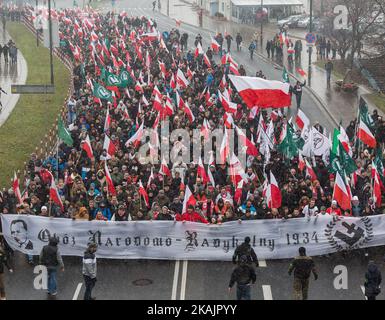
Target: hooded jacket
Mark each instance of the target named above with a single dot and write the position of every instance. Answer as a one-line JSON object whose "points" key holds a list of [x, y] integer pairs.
{"points": [[372, 280]]}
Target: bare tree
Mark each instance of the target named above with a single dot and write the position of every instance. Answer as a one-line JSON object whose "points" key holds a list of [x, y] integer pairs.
{"points": [[364, 23]]}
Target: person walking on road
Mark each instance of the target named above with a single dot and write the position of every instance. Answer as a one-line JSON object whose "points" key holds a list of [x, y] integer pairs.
{"points": [[4, 262], [238, 40], [297, 90], [252, 47], [372, 281], [302, 266], [5, 53], [244, 275], [329, 68], [153, 5], [1, 105], [246, 250], [51, 258], [89, 270], [229, 38], [268, 48]]}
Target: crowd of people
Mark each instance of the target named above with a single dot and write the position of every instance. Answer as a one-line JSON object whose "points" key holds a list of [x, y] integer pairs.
{"points": [[110, 43]]}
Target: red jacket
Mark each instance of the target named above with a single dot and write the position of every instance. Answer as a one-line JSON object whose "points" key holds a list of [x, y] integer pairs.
{"points": [[193, 217], [330, 210]]}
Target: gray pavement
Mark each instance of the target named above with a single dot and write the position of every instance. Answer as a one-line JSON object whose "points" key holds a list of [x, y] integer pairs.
{"points": [[10, 74], [191, 280], [201, 280]]}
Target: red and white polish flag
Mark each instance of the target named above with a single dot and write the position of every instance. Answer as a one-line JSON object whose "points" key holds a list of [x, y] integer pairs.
{"points": [[228, 120], [229, 106], [201, 172], [365, 135], [251, 149], [164, 170], [188, 199], [224, 150], [181, 79], [86, 145], [189, 113], [16, 189], [137, 137], [54, 194], [205, 129], [301, 162], [109, 146], [341, 194], [214, 45], [142, 191], [302, 120], [376, 191], [274, 193], [110, 183], [310, 172], [262, 93]]}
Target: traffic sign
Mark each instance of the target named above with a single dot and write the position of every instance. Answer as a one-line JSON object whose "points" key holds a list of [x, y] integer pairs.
{"points": [[310, 37]]}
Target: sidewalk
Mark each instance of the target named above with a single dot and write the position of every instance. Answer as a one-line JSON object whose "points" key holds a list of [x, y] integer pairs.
{"points": [[9, 74], [339, 105]]}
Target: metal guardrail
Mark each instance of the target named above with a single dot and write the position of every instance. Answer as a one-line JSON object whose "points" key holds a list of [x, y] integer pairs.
{"points": [[367, 75], [49, 142]]}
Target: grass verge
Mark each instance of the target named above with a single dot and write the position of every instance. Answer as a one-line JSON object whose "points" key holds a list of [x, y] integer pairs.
{"points": [[33, 115], [378, 99], [336, 72]]}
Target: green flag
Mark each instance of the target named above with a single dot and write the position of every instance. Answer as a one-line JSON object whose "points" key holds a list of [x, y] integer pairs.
{"points": [[125, 79], [339, 158], [288, 146], [112, 80], [63, 133], [347, 163], [101, 92], [379, 164], [365, 115], [285, 76], [334, 153]]}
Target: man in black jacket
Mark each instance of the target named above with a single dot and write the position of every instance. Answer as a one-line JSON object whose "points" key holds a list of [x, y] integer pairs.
{"points": [[373, 280], [51, 258], [244, 275], [245, 250], [3, 262], [238, 40]]}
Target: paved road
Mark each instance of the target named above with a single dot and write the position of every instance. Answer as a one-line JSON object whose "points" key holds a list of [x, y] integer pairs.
{"points": [[201, 280], [187, 280], [10, 74]]}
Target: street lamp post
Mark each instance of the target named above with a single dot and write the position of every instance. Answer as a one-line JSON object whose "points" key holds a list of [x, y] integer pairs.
{"points": [[261, 24], [37, 29], [310, 47], [50, 40]]}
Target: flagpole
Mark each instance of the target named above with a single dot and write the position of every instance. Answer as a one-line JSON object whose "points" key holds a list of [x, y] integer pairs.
{"points": [[50, 206], [259, 125], [57, 159]]}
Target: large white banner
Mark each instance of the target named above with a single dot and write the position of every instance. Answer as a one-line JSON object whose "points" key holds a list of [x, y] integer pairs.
{"points": [[271, 239]]}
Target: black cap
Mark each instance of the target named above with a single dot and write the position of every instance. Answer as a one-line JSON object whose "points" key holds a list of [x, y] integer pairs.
{"points": [[247, 239], [302, 251]]}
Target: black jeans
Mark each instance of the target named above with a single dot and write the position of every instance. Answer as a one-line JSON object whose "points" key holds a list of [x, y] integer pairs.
{"points": [[243, 292], [90, 284]]}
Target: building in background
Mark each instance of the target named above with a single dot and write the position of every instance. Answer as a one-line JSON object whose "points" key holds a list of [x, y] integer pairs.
{"points": [[248, 11]]}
